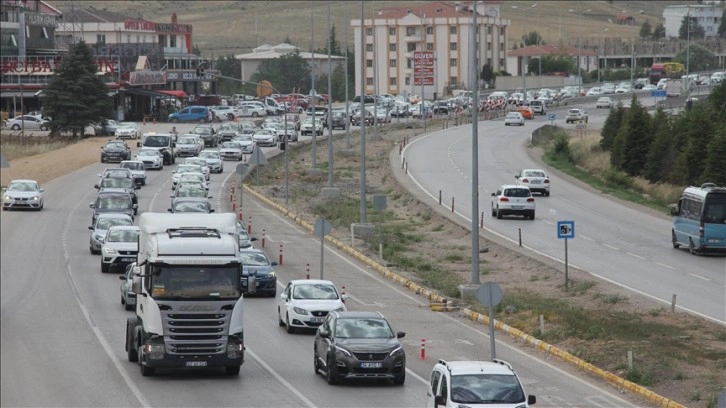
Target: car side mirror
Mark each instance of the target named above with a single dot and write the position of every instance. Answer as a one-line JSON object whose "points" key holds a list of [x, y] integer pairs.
{"points": [[400, 335], [210, 197], [283, 296], [169, 209], [439, 400], [531, 399], [494, 194], [96, 187], [273, 263], [91, 205], [324, 333], [171, 196], [122, 277], [211, 211], [251, 284], [253, 239], [90, 227], [42, 190], [136, 285], [135, 206]]}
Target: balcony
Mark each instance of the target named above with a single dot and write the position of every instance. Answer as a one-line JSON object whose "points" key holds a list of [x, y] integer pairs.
{"points": [[40, 43], [175, 50], [413, 38]]}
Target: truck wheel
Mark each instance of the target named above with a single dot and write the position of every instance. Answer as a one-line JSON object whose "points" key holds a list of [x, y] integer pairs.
{"points": [[130, 340], [232, 370], [145, 370]]}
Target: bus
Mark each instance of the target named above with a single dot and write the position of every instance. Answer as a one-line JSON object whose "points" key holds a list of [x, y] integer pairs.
{"points": [[699, 221]]}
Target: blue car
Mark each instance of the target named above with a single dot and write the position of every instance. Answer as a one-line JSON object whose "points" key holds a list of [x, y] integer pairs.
{"points": [[256, 264], [199, 114]]}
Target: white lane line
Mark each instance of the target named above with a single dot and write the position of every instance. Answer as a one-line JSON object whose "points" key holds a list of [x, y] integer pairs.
{"points": [[611, 247], [548, 222], [636, 256], [87, 315], [666, 266], [279, 378], [699, 276], [586, 237]]}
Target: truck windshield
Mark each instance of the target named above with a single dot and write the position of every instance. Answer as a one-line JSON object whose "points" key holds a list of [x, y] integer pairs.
{"points": [[194, 282], [156, 141]]}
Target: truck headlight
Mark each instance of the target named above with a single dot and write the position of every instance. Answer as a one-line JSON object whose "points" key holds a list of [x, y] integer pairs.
{"points": [[234, 350], [154, 351]]}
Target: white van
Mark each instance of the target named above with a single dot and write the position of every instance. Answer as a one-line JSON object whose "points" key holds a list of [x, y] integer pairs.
{"points": [[717, 77], [538, 106]]}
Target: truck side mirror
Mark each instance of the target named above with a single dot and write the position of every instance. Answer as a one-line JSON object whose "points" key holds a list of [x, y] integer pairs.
{"points": [[439, 400], [138, 144], [251, 284], [136, 285]]}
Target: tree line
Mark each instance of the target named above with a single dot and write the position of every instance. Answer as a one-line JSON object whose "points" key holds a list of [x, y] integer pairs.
{"points": [[688, 148]]}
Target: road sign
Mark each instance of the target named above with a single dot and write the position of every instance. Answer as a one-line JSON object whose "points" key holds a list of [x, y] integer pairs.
{"points": [[423, 64], [565, 229], [552, 116], [489, 291], [242, 169], [658, 93]]}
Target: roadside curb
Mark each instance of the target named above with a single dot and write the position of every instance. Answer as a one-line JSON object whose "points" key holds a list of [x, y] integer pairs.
{"points": [[515, 333]]}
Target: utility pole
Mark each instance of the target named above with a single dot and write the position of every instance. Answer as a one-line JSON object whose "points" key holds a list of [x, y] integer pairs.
{"points": [[330, 105], [362, 112], [347, 98], [313, 92], [474, 152]]}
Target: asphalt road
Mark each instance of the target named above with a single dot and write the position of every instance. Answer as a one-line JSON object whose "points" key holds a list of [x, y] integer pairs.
{"points": [[614, 241], [62, 331]]}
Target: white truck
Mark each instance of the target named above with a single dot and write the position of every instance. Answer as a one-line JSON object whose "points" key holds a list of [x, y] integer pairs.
{"points": [[674, 87], [189, 294]]}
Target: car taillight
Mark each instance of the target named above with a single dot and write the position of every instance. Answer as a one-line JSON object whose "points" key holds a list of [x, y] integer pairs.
{"points": [[547, 181], [530, 200], [503, 199], [525, 181], [701, 230]]}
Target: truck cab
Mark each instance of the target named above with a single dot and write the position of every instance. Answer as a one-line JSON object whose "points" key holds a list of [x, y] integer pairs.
{"points": [[164, 142]]}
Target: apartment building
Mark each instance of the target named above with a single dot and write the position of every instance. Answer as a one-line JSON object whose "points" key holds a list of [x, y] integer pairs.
{"points": [[708, 16], [440, 32]]}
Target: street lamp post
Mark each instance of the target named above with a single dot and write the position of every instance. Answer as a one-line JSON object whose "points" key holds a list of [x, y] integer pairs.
{"points": [[313, 93], [347, 98], [362, 112], [688, 52], [330, 106], [474, 152]]}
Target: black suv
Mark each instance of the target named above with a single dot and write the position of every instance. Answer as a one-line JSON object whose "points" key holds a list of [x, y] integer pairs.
{"points": [[339, 119], [359, 345], [228, 131], [208, 134], [115, 150], [113, 202]]}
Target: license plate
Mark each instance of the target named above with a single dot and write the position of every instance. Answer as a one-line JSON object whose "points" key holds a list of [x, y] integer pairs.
{"points": [[371, 365], [196, 364], [516, 207], [128, 259], [131, 301], [536, 182], [316, 320]]}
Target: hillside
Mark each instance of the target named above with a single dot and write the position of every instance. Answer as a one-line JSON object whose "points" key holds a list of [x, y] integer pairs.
{"points": [[235, 27]]}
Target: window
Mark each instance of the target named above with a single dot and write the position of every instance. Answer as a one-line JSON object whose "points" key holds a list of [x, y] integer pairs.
{"points": [[369, 63], [408, 81], [453, 46], [392, 81], [435, 377], [452, 30], [369, 32], [429, 46], [429, 30], [489, 29], [410, 31], [138, 38], [477, 30], [392, 63], [489, 62], [369, 47], [172, 41], [369, 81], [13, 40], [128, 38], [501, 31], [392, 31], [411, 47], [101, 38], [453, 81], [409, 63], [489, 45], [452, 62], [501, 62], [392, 47], [501, 45]]}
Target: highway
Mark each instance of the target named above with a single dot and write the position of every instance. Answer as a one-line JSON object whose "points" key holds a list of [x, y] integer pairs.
{"points": [[615, 242], [62, 337]]}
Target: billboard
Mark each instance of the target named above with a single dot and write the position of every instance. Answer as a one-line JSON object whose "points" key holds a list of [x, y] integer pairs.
{"points": [[423, 67]]}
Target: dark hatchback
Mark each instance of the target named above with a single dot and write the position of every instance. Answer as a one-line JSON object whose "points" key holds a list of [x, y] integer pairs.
{"points": [[115, 151], [256, 264], [113, 203], [350, 345]]}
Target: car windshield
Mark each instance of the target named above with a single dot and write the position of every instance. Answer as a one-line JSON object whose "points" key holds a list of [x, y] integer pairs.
{"points": [[363, 329], [127, 125], [534, 173], [107, 223], [191, 192], [113, 203], [230, 145], [188, 168], [314, 291], [117, 173], [243, 138], [186, 140], [263, 132], [132, 165], [156, 141], [198, 162], [191, 184], [209, 155], [116, 182], [123, 235], [202, 131], [115, 145], [190, 206], [254, 259], [191, 177], [486, 389], [517, 192], [148, 152], [23, 186], [227, 126]]}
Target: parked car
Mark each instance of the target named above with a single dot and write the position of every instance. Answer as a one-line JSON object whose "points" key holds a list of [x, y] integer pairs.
{"points": [[251, 108], [535, 179], [106, 127], [351, 345], [213, 159], [369, 99], [115, 150], [258, 267], [576, 115], [306, 302], [27, 122], [604, 102], [231, 151], [127, 130], [514, 118], [199, 114], [138, 170], [513, 200], [100, 227], [128, 297], [222, 112], [120, 246], [594, 91], [23, 194]]}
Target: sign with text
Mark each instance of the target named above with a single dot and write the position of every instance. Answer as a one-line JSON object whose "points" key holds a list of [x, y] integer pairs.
{"points": [[423, 65], [147, 78]]}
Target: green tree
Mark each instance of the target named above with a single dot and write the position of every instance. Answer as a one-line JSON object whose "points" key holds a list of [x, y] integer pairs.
{"points": [[717, 101], [551, 64], [694, 130], [284, 73], [637, 140], [658, 32], [700, 58], [715, 169], [661, 155], [611, 126], [697, 31], [334, 44], [722, 26], [228, 66], [487, 74], [617, 150], [76, 97], [532, 38], [646, 30]]}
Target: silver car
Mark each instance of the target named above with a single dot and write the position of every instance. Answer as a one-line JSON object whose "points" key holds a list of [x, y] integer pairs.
{"points": [[213, 159], [103, 223], [200, 162], [138, 170], [127, 130], [128, 297], [187, 146], [535, 179], [23, 194], [27, 122], [151, 158], [246, 143], [119, 247], [231, 151]]}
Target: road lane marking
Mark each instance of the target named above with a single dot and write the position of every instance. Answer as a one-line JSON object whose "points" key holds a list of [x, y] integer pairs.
{"points": [[666, 266], [279, 378], [699, 276], [636, 256], [586, 238], [610, 246]]}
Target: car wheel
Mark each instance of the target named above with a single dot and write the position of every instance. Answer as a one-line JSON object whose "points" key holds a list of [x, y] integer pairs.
{"points": [[316, 364], [103, 160], [123, 301], [499, 214], [547, 193], [279, 320], [494, 213], [691, 247], [43, 127], [128, 306], [93, 252], [232, 370], [288, 326], [531, 216], [399, 380], [330, 375], [16, 127], [104, 267], [254, 114], [673, 240]]}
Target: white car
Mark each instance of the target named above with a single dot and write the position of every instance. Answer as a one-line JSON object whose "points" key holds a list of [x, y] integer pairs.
{"points": [[200, 162], [535, 179], [213, 159], [187, 146], [649, 87], [127, 130], [246, 143], [251, 108], [27, 122], [608, 88], [306, 302], [623, 88], [137, 168], [576, 115], [119, 247], [231, 151], [513, 200], [514, 118], [184, 168], [307, 127], [151, 158], [222, 113], [604, 102], [265, 137], [194, 178], [594, 91], [23, 194]]}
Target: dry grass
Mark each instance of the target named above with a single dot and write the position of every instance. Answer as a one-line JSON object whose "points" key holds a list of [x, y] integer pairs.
{"points": [[235, 27]]}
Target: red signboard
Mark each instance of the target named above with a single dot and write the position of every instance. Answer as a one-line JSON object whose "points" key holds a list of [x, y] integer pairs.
{"points": [[423, 72]]}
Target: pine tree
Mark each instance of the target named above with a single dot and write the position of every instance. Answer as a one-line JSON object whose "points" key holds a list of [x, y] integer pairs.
{"points": [[637, 140], [610, 128], [646, 30], [698, 129], [661, 156], [76, 97], [715, 170], [616, 152]]}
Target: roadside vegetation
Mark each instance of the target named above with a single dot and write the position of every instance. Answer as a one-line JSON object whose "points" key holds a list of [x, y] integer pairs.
{"points": [[15, 147]]}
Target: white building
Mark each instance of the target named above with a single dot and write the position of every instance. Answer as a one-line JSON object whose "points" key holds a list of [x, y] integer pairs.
{"points": [[251, 61], [443, 29], [707, 15]]}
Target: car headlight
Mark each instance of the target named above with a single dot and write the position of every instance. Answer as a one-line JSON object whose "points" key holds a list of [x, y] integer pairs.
{"points": [[109, 250], [271, 275], [397, 351], [341, 309], [344, 351], [7, 198], [35, 198], [300, 311]]}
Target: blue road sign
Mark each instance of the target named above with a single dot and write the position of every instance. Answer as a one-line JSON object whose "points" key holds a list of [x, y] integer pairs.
{"points": [[658, 93], [552, 116], [565, 229]]}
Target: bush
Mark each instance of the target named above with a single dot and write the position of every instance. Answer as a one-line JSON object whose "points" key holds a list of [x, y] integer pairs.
{"points": [[561, 147], [617, 178]]}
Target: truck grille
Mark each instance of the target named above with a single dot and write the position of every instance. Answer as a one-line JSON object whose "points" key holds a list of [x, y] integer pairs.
{"points": [[192, 328]]}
